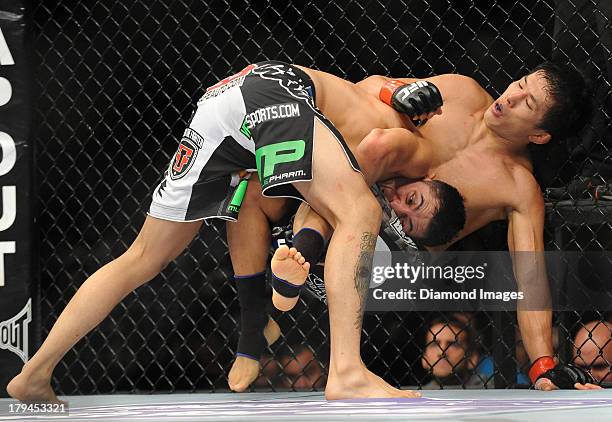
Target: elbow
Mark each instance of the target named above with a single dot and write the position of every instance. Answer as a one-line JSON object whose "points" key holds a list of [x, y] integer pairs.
{"points": [[371, 154], [373, 145]]}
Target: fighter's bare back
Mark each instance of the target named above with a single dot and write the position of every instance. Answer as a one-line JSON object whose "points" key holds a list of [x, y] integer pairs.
{"points": [[463, 154], [352, 110]]}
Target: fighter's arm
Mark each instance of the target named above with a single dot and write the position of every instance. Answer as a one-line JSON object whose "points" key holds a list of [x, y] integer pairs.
{"points": [[454, 88], [534, 312], [526, 245], [387, 153]]}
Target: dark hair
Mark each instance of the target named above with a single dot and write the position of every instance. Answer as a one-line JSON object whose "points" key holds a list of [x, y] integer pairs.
{"points": [[449, 218], [571, 99]]}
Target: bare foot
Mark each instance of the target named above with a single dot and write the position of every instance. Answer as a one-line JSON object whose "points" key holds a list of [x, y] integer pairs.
{"points": [[31, 388], [361, 384], [291, 266], [244, 370]]}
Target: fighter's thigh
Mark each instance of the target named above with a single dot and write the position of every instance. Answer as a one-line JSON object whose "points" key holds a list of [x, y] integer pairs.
{"points": [[336, 188], [273, 208], [160, 241]]}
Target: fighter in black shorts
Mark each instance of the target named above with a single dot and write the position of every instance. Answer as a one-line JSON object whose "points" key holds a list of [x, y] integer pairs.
{"points": [[265, 126]]}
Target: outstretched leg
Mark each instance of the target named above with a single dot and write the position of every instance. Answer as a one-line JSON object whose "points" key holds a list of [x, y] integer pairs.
{"points": [[158, 243]]}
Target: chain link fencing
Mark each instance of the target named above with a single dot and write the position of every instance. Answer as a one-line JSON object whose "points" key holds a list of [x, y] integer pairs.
{"points": [[115, 84]]}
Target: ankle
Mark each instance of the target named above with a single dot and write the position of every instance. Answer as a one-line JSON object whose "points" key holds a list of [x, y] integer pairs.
{"points": [[346, 370], [36, 372]]}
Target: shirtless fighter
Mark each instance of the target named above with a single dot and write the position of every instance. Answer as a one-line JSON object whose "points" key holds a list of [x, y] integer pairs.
{"points": [[297, 153], [439, 217], [487, 160]]}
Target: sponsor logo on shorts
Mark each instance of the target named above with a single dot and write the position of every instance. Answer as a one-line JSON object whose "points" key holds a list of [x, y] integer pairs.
{"points": [[286, 78], [245, 130], [273, 112], [287, 175], [191, 142], [227, 83], [14, 335], [269, 156]]}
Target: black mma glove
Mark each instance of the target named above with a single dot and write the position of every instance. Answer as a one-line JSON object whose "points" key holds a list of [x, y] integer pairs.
{"points": [[415, 99], [564, 376]]}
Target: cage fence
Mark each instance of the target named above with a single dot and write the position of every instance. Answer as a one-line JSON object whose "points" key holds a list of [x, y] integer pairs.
{"points": [[115, 85]]}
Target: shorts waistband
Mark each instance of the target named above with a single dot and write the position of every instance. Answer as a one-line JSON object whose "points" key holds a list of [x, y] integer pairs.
{"points": [[310, 86]]}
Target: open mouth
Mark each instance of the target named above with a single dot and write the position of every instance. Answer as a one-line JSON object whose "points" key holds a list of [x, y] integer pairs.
{"points": [[497, 109]]}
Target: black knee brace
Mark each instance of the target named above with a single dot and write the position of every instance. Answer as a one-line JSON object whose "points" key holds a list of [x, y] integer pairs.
{"points": [[310, 243], [253, 315]]}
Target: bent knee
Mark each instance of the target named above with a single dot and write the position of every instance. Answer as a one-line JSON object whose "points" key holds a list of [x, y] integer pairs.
{"points": [[362, 210], [369, 205]]}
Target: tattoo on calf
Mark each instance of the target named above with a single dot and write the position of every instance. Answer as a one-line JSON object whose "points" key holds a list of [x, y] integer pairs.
{"points": [[363, 271]]}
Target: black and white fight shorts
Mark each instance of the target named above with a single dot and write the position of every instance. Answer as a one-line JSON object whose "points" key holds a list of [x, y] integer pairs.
{"points": [[260, 119]]}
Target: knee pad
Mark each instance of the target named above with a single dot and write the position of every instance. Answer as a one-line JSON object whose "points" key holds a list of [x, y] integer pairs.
{"points": [[310, 243]]}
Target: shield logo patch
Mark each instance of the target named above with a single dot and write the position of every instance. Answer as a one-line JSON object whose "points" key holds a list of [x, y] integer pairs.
{"points": [[185, 155]]}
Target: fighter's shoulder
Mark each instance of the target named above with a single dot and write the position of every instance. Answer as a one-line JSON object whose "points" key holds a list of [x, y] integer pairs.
{"points": [[462, 81], [372, 84], [456, 87], [527, 192]]}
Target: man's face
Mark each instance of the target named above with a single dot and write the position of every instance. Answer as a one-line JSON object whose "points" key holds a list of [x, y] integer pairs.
{"points": [[595, 351], [517, 112], [445, 350], [303, 372], [415, 204], [594, 363]]}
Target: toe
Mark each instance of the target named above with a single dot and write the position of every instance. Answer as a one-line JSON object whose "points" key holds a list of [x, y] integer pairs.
{"points": [[282, 252], [238, 388]]}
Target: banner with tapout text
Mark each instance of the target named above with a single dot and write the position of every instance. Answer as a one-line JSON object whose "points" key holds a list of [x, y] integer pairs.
{"points": [[17, 287]]}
